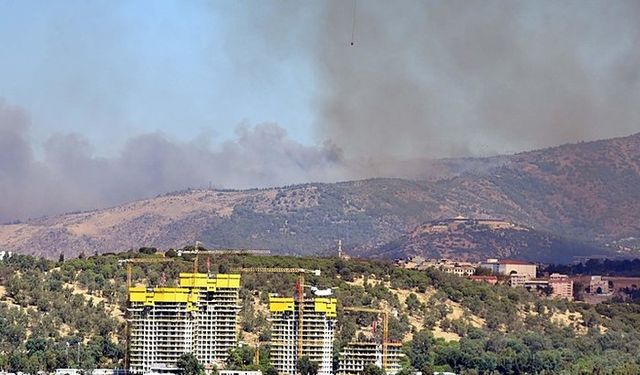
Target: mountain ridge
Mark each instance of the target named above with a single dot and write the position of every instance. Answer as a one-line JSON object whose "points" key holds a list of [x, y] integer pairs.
{"points": [[478, 239], [584, 191]]}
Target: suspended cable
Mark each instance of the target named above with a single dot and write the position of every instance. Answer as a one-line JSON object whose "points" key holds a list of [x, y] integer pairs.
{"points": [[353, 28]]}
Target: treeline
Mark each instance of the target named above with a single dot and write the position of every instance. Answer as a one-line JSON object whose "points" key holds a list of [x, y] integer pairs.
{"points": [[608, 267], [45, 323]]}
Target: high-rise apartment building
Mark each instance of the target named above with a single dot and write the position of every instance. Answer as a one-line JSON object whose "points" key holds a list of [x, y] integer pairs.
{"points": [[200, 316], [318, 322]]}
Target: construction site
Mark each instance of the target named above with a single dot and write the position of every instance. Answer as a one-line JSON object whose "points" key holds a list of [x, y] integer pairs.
{"points": [[200, 315]]}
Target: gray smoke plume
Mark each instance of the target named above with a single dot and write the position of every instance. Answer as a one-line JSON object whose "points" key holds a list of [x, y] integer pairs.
{"points": [[454, 78], [424, 79], [70, 177]]}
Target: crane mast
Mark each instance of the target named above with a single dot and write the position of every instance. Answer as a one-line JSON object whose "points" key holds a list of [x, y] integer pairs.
{"points": [[299, 291], [385, 329]]}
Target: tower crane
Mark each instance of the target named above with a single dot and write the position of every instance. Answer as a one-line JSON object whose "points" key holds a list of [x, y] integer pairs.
{"points": [[385, 329], [131, 261], [256, 355], [299, 290], [197, 253]]}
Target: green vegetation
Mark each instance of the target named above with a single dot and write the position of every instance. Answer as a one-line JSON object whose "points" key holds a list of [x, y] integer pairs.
{"points": [[475, 240], [60, 314], [607, 267], [307, 367], [189, 365]]}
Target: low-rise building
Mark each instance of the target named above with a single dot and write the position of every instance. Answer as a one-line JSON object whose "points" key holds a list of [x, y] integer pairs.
{"points": [[455, 267], [97, 371], [68, 371], [239, 372], [598, 285], [458, 268], [556, 286], [492, 279], [356, 355], [511, 267], [561, 286], [536, 284], [516, 280]]}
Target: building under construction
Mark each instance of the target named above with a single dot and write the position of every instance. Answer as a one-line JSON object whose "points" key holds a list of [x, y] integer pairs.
{"points": [[318, 317], [199, 316], [356, 355]]}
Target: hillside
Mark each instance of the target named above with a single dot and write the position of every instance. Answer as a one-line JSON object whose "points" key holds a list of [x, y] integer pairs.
{"points": [[477, 240], [446, 322], [583, 192]]}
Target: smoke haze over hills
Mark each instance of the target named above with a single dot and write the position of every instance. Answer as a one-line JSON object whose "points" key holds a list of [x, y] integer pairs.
{"points": [[422, 80], [71, 177], [455, 78]]}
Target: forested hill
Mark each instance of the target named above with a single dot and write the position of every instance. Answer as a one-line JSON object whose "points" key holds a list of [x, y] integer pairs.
{"points": [[586, 192], [445, 322], [477, 240]]}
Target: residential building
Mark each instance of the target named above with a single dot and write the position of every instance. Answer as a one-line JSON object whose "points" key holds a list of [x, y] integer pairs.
{"points": [[598, 285], [561, 285], [536, 284], [556, 286], [78, 371], [511, 267], [356, 355], [318, 324], [492, 279], [455, 267], [199, 316], [239, 372], [459, 269]]}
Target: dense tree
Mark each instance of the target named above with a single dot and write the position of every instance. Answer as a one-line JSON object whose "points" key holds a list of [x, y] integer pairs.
{"points": [[420, 349], [307, 367], [501, 329], [189, 365], [240, 358], [413, 304], [371, 369]]}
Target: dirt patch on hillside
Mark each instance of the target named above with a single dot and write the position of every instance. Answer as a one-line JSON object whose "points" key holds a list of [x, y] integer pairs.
{"points": [[113, 310]]}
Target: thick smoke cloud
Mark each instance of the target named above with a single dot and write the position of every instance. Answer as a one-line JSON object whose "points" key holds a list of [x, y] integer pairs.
{"points": [[458, 78], [423, 80], [70, 177], [431, 79]]}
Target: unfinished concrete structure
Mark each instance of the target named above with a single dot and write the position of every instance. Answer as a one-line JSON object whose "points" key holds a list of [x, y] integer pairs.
{"points": [[199, 316], [318, 324], [356, 355]]}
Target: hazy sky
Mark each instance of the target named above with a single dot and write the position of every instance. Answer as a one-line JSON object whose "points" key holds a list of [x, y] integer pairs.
{"points": [[106, 101], [112, 69]]}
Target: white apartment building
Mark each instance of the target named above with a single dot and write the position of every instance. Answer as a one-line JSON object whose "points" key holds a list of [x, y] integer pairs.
{"points": [[199, 316], [318, 325]]}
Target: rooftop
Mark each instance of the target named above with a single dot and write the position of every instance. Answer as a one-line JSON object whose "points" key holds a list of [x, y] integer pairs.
{"points": [[515, 261]]}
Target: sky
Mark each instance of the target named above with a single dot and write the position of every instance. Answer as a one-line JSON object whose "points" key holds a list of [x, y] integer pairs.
{"points": [[103, 102], [110, 70]]}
